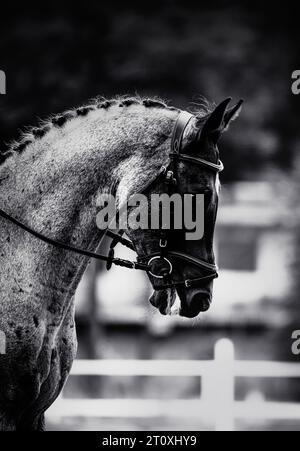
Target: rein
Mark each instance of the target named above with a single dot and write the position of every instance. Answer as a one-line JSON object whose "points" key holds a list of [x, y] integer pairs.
{"points": [[67, 247], [183, 120]]}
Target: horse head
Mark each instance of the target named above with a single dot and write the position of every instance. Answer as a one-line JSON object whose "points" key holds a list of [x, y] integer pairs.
{"points": [[178, 264]]}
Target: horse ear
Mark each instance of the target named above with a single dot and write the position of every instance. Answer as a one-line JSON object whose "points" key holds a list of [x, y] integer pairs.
{"points": [[215, 121], [233, 113], [219, 120]]}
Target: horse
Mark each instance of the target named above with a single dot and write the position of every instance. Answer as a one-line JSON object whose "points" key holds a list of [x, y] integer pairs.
{"points": [[50, 184]]}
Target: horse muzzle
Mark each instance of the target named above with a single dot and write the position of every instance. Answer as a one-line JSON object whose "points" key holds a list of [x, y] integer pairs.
{"points": [[195, 301]]}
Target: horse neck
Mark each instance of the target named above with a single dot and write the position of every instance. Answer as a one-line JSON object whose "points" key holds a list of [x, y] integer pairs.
{"points": [[54, 184]]}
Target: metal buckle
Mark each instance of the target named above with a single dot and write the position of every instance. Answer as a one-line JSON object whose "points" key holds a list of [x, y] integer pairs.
{"points": [[163, 243], [187, 283], [159, 258], [170, 179]]}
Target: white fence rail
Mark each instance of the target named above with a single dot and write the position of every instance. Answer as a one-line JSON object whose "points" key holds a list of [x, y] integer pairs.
{"points": [[217, 401]]}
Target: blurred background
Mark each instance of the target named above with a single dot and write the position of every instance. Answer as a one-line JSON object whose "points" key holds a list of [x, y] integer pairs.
{"points": [[57, 56]]}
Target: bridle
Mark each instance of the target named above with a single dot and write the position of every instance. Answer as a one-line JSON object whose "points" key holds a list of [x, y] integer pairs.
{"points": [[165, 254]]}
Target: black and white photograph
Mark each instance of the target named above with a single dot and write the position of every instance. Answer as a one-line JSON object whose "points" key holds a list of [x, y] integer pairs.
{"points": [[149, 219]]}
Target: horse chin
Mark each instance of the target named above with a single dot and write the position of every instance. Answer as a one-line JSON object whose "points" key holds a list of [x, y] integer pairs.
{"points": [[165, 301]]}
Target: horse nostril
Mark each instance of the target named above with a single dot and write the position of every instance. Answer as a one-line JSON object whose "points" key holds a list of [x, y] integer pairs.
{"points": [[195, 303], [205, 306], [200, 302]]}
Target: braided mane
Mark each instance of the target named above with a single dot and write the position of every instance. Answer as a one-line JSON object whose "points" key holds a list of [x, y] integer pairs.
{"points": [[59, 120]]}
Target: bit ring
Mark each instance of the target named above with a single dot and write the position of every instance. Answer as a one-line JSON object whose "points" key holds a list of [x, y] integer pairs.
{"points": [[159, 258]]}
